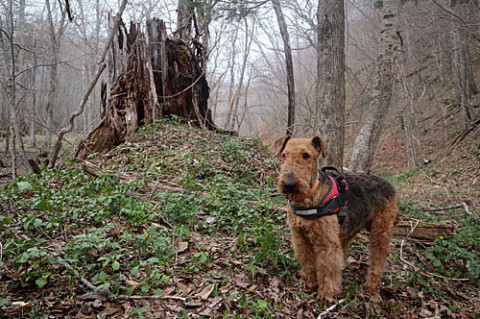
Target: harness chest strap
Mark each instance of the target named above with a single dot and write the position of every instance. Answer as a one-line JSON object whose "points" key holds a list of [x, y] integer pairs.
{"points": [[331, 203]]}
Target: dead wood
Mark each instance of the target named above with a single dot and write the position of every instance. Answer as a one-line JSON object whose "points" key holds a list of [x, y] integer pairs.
{"points": [[424, 230], [464, 134], [34, 166], [160, 76]]}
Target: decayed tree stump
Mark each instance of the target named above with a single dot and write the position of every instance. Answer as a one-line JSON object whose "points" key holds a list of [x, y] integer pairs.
{"points": [[151, 76]]}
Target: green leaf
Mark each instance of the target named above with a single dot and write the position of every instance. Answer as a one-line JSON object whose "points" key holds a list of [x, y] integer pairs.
{"points": [[4, 302], [135, 271], [42, 205], [24, 186], [37, 222], [153, 260], [116, 265], [41, 282]]}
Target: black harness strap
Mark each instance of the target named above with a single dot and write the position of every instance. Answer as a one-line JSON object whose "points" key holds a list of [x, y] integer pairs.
{"points": [[333, 202]]}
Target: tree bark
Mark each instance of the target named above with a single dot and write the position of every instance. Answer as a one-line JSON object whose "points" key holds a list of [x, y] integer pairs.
{"points": [[330, 90], [368, 138], [288, 65]]}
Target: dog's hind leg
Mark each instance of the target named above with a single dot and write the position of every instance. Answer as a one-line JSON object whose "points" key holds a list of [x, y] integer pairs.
{"points": [[380, 237]]}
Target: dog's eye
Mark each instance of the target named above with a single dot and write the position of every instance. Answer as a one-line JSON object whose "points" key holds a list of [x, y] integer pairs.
{"points": [[284, 156], [306, 156]]}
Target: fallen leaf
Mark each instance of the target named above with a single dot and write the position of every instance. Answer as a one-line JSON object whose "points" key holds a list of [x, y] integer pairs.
{"points": [[206, 292], [180, 247], [132, 283], [21, 304]]}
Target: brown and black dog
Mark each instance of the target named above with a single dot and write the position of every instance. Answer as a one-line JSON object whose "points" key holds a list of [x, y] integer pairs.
{"points": [[319, 240]]}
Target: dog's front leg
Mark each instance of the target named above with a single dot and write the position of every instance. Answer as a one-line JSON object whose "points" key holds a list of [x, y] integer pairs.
{"points": [[329, 262], [305, 255]]}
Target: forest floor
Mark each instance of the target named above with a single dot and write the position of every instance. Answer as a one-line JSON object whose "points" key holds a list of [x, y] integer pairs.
{"points": [[180, 222]]}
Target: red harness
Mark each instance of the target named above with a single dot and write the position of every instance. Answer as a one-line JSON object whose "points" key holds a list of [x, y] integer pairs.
{"points": [[332, 202]]}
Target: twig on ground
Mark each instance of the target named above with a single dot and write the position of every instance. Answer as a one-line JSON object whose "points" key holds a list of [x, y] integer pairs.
{"points": [[330, 309], [153, 297], [403, 260], [461, 205], [76, 273], [65, 264]]}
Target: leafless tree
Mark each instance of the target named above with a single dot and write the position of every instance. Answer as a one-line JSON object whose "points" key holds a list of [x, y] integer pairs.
{"points": [[55, 34], [289, 67], [330, 101], [369, 135], [9, 60]]}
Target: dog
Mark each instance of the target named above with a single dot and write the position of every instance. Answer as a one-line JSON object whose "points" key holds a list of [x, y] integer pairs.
{"points": [[316, 199]]}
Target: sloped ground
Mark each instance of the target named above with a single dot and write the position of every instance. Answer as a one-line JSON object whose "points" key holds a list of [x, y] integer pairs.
{"points": [[185, 223]]}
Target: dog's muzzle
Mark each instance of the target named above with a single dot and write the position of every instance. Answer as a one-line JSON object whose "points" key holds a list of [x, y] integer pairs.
{"points": [[290, 186]]}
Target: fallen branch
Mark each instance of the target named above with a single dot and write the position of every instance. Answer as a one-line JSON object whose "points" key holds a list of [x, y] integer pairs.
{"points": [[424, 230], [84, 281], [464, 134], [461, 205]]}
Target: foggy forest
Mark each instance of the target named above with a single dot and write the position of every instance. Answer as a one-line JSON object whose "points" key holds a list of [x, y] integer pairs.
{"points": [[136, 167]]}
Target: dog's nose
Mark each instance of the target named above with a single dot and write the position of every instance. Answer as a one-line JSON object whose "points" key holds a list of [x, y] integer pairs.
{"points": [[290, 185]]}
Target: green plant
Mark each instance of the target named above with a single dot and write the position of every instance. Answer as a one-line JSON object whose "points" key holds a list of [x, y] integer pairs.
{"points": [[455, 256]]}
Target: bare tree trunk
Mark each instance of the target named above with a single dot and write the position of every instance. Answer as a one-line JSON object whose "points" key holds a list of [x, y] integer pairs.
{"points": [[465, 86], [33, 104], [289, 67], [414, 148], [247, 44], [184, 19], [10, 87], [233, 90], [369, 135], [330, 97], [55, 38]]}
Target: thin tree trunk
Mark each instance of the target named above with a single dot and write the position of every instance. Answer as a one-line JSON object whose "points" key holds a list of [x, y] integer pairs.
{"points": [[52, 78], [9, 64], [32, 113], [232, 92], [330, 97], [368, 138], [288, 65], [465, 86], [414, 148], [248, 44]]}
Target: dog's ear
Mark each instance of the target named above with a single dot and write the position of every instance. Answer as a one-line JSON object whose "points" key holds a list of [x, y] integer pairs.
{"points": [[319, 145], [279, 144]]}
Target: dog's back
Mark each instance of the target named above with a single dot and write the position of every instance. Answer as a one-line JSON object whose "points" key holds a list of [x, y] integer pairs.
{"points": [[369, 196]]}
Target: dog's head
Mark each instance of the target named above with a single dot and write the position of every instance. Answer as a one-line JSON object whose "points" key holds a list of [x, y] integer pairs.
{"points": [[299, 157]]}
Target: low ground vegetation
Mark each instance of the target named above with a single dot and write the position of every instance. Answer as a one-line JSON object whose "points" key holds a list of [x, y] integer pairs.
{"points": [[180, 222]]}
